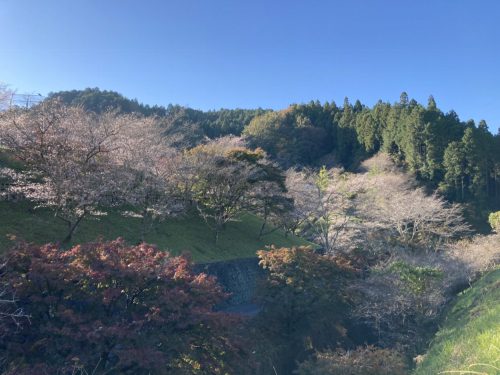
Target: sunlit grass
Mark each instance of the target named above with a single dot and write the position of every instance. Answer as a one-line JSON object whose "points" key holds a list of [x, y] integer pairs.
{"points": [[188, 233], [469, 342]]}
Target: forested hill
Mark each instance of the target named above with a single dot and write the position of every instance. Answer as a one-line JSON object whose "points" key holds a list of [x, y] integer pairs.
{"points": [[460, 158], [179, 119], [96, 100]]}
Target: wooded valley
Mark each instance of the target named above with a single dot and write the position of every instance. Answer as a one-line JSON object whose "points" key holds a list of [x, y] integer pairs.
{"points": [[367, 223]]}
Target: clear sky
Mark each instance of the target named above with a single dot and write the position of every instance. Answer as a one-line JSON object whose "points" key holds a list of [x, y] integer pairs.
{"points": [[210, 54]]}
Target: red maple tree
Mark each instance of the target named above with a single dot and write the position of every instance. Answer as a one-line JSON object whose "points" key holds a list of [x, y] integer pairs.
{"points": [[108, 308]]}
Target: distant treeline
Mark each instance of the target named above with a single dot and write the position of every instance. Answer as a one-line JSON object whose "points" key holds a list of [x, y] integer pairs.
{"points": [[460, 158], [210, 124]]}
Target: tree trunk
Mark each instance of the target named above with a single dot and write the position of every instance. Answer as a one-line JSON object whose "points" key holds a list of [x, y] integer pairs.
{"points": [[72, 228], [216, 235], [261, 232], [144, 226], [496, 186], [219, 226], [462, 188]]}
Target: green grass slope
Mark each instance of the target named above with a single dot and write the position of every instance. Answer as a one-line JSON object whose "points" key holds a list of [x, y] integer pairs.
{"points": [[175, 235], [469, 341]]}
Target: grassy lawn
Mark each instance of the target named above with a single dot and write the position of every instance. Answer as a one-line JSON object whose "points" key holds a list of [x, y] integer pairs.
{"points": [[469, 341], [176, 235]]}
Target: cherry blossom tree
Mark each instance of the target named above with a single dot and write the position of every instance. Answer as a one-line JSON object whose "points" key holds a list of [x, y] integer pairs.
{"points": [[406, 212], [67, 154], [323, 204], [148, 166]]}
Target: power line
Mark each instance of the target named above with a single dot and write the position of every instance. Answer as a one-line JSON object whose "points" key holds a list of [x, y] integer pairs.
{"points": [[25, 100]]}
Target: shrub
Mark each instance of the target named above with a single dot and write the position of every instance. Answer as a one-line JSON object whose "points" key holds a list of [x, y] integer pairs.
{"points": [[494, 220], [368, 360], [114, 309], [475, 256]]}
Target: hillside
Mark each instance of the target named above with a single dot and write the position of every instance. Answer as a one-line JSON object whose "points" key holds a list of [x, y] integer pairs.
{"points": [[390, 246], [188, 233], [469, 341], [426, 140]]}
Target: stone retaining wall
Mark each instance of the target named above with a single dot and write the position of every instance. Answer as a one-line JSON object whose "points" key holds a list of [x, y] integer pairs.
{"points": [[238, 277]]}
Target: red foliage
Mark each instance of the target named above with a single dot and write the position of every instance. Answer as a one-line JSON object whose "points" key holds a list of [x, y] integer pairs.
{"points": [[116, 309]]}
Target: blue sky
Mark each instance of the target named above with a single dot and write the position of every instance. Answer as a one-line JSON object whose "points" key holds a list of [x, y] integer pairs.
{"points": [[210, 54]]}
